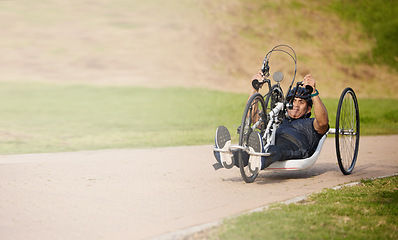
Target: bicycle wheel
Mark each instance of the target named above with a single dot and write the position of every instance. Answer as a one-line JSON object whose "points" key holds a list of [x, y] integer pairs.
{"points": [[254, 119], [347, 131]]}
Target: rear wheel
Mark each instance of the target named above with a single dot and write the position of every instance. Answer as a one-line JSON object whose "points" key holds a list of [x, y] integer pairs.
{"points": [[347, 131], [254, 119]]}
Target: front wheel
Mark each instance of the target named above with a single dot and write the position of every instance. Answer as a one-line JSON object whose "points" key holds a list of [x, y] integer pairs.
{"points": [[254, 119], [347, 131]]}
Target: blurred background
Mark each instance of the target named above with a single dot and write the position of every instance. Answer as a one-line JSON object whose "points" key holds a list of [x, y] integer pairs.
{"points": [[87, 74], [213, 44]]}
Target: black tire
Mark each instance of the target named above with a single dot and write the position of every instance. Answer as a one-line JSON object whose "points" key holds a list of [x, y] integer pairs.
{"points": [[347, 131], [255, 103]]}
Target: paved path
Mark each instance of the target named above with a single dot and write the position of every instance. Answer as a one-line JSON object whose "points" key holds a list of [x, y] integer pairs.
{"points": [[141, 194]]}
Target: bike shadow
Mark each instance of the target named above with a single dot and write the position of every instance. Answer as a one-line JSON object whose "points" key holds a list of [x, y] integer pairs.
{"points": [[280, 176]]}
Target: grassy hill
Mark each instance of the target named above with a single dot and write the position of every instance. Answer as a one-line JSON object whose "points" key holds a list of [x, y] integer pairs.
{"points": [[214, 44], [329, 47]]}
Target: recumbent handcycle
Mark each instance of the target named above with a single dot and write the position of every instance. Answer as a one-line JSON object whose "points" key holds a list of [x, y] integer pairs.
{"points": [[264, 113]]}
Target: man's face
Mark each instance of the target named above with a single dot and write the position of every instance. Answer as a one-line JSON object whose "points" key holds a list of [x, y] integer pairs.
{"points": [[300, 108]]}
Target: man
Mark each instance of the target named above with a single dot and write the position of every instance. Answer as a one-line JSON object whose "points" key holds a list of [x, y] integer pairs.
{"points": [[297, 136]]}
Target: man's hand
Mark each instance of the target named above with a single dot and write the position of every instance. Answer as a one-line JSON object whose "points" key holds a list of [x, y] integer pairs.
{"points": [[321, 122], [309, 80], [259, 76]]}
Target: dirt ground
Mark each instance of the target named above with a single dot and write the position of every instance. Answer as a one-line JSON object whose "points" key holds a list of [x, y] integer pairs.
{"points": [[153, 193]]}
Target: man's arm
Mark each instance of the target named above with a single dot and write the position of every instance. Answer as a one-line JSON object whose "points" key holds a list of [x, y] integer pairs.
{"points": [[253, 91], [321, 122], [259, 77]]}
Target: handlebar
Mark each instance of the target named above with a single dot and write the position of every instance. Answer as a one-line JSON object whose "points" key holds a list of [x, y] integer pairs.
{"points": [[309, 88], [257, 84]]}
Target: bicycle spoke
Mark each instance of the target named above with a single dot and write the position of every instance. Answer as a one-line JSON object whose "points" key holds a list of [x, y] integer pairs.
{"points": [[348, 134], [248, 125]]}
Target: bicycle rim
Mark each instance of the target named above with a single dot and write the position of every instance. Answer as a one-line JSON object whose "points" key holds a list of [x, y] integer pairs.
{"points": [[347, 131], [255, 113]]}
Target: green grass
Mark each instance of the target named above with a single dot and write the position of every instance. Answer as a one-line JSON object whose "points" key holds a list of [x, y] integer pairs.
{"points": [[48, 118], [39, 117], [327, 215], [377, 116], [378, 19]]}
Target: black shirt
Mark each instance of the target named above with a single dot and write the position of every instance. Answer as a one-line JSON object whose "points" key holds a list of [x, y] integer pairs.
{"points": [[297, 138]]}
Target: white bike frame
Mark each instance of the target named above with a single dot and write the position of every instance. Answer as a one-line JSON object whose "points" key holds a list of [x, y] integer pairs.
{"points": [[269, 139]]}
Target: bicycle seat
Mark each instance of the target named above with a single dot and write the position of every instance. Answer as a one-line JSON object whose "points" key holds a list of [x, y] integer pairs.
{"points": [[298, 164]]}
